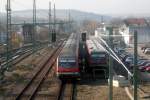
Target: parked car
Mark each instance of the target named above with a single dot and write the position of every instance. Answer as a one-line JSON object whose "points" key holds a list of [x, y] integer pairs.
{"points": [[122, 56], [142, 48], [119, 50], [127, 56], [129, 60], [143, 62], [116, 50], [143, 68], [148, 69], [147, 51]]}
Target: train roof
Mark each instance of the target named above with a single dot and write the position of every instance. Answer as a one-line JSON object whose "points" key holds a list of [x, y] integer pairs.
{"points": [[94, 45], [71, 46]]}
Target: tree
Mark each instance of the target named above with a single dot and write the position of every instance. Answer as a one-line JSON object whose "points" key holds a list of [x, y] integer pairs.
{"points": [[89, 26]]}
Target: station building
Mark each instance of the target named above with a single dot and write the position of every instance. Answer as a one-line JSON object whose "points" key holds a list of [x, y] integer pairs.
{"points": [[131, 25]]}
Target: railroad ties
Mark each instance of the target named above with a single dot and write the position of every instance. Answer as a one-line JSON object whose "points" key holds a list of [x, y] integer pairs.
{"points": [[67, 91], [30, 90], [67, 59]]}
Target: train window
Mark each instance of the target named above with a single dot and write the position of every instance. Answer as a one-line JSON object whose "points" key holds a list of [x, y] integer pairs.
{"points": [[66, 60], [67, 64], [98, 55]]}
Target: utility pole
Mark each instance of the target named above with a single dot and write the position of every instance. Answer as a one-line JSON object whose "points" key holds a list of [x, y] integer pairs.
{"points": [[34, 26], [69, 22], [110, 29], [8, 44], [49, 21], [135, 66], [54, 17], [8, 41], [54, 27]]}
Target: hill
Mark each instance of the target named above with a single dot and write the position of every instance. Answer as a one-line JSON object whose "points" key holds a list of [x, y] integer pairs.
{"points": [[42, 14]]}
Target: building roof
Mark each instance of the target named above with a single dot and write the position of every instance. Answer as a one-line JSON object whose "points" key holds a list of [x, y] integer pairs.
{"points": [[139, 29], [135, 21]]}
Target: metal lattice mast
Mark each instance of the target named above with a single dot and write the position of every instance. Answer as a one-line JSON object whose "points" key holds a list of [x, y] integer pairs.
{"points": [[54, 27], [9, 45], [54, 17], [34, 25], [49, 21], [69, 22]]}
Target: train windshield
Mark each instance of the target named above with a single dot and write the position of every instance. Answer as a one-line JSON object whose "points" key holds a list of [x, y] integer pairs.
{"points": [[98, 55], [67, 63]]}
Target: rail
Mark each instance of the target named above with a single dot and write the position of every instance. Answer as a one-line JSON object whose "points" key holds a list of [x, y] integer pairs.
{"points": [[67, 91], [31, 88]]}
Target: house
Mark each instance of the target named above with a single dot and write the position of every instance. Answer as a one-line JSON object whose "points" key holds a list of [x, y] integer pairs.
{"points": [[143, 33], [28, 33], [135, 22], [101, 30]]}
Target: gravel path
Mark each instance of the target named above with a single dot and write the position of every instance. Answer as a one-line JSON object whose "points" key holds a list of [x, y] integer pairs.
{"points": [[99, 91]]}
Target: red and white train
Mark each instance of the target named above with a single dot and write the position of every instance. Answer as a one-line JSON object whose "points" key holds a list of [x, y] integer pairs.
{"points": [[67, 61], [97, 56]]}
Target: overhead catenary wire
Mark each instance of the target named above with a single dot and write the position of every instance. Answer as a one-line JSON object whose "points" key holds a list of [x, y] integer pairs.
{"points": [[118, 58]]}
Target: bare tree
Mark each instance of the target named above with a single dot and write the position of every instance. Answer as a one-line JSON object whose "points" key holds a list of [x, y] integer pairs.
{"points": [[89, 26]]}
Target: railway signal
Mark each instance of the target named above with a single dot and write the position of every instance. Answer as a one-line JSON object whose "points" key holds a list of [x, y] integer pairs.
{"points": [[53, 35], [84, 36]]}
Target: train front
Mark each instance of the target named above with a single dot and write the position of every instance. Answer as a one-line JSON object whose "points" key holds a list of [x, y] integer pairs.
{"points": [[67, 62], [68, 68]]}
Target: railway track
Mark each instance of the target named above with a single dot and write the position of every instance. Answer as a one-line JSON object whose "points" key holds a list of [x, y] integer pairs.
{"points": [[30, 90], [16, 53], [67, 91], [17, 58]]}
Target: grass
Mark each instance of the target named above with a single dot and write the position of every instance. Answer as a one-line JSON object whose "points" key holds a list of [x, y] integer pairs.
{"points": [[2, 91], [25, 67], [18, 78]]}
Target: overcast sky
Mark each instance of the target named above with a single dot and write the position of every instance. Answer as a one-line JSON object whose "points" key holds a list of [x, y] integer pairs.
{"points": [[96, 6]]}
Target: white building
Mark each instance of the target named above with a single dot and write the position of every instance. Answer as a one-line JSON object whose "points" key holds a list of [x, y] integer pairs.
{"points": [[100, 30], [143, 33]]}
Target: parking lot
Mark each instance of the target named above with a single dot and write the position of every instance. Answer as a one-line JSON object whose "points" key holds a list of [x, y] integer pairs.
{"points": [[143, 62]]}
